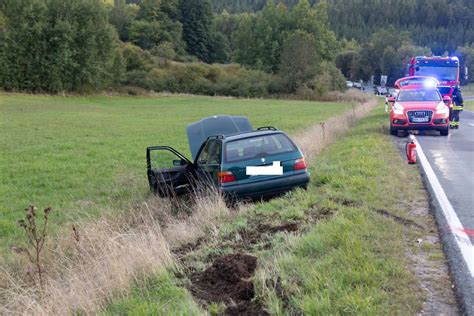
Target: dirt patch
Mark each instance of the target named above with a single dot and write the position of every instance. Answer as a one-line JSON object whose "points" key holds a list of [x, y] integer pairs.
{"points": [[253, 236], [189, 247], [346, 202], [399, 219], [228, 280]]}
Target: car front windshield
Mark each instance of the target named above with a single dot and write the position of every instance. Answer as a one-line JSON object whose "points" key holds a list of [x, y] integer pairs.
{"points": [[258, 147], [418, 95]]}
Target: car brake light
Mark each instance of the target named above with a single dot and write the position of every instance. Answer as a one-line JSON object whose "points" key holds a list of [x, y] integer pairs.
{"points": [[300, 164], [226, 176]]}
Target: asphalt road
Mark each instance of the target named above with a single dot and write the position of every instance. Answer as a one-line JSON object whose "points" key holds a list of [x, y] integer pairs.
{"points": [[451, 159]]}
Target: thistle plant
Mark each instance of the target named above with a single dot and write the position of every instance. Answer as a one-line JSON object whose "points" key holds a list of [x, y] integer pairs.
{"points": [[35, 236]]}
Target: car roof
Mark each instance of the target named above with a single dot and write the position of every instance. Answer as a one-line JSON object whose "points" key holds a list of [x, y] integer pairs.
{"points": [[416, 83], [255, 133]]}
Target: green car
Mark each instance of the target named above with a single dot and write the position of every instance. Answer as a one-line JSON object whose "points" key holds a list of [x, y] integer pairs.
{"points": [[230, 155]]}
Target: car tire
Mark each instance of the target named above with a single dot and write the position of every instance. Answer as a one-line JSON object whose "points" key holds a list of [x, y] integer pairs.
{"points": [[444, 132], [393, 131]]}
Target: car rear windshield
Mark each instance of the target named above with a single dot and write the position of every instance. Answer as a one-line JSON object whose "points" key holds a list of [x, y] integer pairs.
{"points": [[419, 95], [258, 147]]}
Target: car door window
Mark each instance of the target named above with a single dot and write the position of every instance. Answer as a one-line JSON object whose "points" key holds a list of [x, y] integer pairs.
{"points": [[211, 153], [214, 153], [163, 159], [204, 154]]}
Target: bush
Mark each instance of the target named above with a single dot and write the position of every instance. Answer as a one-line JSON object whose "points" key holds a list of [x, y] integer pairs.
{"points": [[204, 79], [225, 80], [135, 58], [329, 78]]}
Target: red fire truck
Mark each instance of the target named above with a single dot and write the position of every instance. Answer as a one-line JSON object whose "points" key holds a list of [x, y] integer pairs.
{"points": [[444, 69]]}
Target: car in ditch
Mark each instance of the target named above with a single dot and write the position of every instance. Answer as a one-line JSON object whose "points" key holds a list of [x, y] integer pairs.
{"points": [[224, 149], [419, 108]]}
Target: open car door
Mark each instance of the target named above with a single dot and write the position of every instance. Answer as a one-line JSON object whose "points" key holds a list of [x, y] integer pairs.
{"points": [[169, 172]]}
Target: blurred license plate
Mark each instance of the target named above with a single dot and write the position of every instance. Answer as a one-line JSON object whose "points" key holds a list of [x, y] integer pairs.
{"points": [[421, 119]]}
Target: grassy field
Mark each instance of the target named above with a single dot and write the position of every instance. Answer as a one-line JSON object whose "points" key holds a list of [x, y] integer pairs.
{"points": [[469, 105], [349, 254], [86, 155], [468, 91]]}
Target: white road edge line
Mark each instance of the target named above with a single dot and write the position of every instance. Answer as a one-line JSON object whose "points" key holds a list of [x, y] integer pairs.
{"points": [[462, 239]]}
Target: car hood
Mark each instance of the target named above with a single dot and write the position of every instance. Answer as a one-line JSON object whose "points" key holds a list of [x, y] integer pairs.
{"points": [[423, 105], [199, 131]]}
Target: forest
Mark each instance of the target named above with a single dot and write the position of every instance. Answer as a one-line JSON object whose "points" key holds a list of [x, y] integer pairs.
{"points": [[442, 25], [222, 47]]}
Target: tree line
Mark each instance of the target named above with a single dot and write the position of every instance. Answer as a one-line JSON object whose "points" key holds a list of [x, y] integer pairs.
{"points": [[442, 25], [185, 46], [165, 45]]}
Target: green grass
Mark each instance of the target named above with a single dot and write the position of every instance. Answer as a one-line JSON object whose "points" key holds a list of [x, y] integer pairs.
{"points": [[355, 262], [86, 155], [469, 105], [468, 91], [348, 259], [157, 295]]}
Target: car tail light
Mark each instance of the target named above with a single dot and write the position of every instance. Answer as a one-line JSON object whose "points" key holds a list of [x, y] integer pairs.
{"points": [[226, 176], [300, 164]]}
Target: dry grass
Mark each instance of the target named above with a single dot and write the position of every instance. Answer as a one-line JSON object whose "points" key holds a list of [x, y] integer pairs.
{"points": [[87, 269], [99, 260], [317, 137]]}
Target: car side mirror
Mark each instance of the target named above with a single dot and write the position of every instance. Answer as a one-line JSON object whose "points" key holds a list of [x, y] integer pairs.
{"points": [[179, 162], [447, 99], [391, 99]]}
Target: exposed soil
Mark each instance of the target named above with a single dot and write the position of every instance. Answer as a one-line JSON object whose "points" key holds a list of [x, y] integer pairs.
{"points": [[346, 202], [254, 236], [399, 219], [228, 280]]}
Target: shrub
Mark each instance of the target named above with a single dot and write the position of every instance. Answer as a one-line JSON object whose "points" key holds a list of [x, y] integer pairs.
{"points": [[135, 58], [329, 78]]}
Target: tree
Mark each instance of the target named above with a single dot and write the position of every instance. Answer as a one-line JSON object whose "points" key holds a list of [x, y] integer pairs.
{"points": [[466, 55], [298, 59], [56, 46], [196, 17], [122, 17], [157, 22], [344, 61]]}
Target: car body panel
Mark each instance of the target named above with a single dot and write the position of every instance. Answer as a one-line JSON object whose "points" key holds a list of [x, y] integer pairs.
{"points": [[271, 187]]}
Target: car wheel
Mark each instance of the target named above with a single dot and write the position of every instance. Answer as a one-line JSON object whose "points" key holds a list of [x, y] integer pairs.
{"points": [[393, 131], [444, 132]]}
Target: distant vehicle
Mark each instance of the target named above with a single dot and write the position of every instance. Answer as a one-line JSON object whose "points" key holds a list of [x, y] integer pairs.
{"points": [[349, 84], [222, 148], [419, 108], [357, 85], [380, 91]]}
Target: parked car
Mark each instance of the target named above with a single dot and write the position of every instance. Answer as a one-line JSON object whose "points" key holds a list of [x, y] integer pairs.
{"points": [[222, 148], [380, 91], [419, 109], [349, 84]]}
